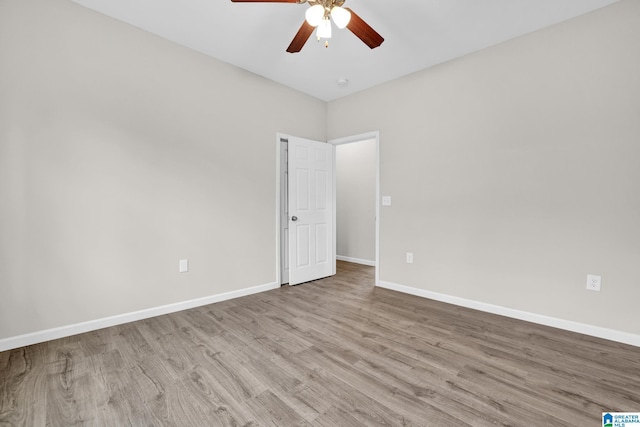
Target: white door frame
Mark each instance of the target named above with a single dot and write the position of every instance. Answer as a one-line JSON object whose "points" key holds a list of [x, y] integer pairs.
{"points": [[345, 140], [280, 137]]}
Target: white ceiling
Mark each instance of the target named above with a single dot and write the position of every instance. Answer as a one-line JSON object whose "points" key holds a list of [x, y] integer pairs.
{"points": [[418, 34]]}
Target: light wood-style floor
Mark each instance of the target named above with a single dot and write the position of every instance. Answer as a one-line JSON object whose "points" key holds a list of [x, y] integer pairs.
{"points": [[336, 352]]}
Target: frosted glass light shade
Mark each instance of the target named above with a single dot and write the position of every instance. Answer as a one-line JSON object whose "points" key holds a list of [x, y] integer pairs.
{"points": [[314, 15], [324, 29], [340, 16]]}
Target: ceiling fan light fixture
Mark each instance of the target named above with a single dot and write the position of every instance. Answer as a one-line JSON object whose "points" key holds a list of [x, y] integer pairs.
{"points": [[340, 16], [324, 29], [318, 17], [314, 15]]}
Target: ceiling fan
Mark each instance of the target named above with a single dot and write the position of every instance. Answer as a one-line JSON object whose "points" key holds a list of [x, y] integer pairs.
{"points": [[319, 16]]}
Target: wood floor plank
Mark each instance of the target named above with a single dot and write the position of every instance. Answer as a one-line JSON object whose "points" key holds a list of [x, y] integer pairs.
{"points": [[335, 416], [23, 381], [274, 412], [351, 399], [333, 352]]}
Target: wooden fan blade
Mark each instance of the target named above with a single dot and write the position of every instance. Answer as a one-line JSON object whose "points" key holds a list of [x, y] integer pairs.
{"points": [[267, 1], [363, 31], [300, 38]]}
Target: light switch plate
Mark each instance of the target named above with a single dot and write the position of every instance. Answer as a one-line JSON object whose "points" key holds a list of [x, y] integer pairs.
{"points": [[386, 200], [183, 266]]}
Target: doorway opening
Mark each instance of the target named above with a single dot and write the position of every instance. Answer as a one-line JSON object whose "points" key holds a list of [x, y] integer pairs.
{"points": [[370, 142]]}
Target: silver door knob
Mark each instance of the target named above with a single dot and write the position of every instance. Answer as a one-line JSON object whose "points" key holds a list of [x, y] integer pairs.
{"points": [[294, 218]]}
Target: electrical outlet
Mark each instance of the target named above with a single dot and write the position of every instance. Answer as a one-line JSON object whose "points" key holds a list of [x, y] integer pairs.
{"points": [[409, 257], [183, 266], [593, 282]]}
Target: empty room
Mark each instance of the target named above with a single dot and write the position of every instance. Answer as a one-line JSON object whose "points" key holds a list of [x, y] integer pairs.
{"points": [[319, 213]]}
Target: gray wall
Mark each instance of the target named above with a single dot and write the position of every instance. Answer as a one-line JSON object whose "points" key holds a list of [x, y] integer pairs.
{"points": [[356, 200], [514, 171], [121, 153]]}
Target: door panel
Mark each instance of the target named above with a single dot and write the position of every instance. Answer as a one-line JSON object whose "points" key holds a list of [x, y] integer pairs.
{"points": [[322, 180], [302, 255], [322, 251], [302, 194], [311, 200]]}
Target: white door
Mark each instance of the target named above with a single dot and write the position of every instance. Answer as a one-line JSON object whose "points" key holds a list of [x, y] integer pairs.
{"points": [[311, 210]]}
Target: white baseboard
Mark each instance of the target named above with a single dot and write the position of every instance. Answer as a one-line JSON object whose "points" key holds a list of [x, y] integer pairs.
{"points": [[356, 260], [595, 331], [92, 325]]}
